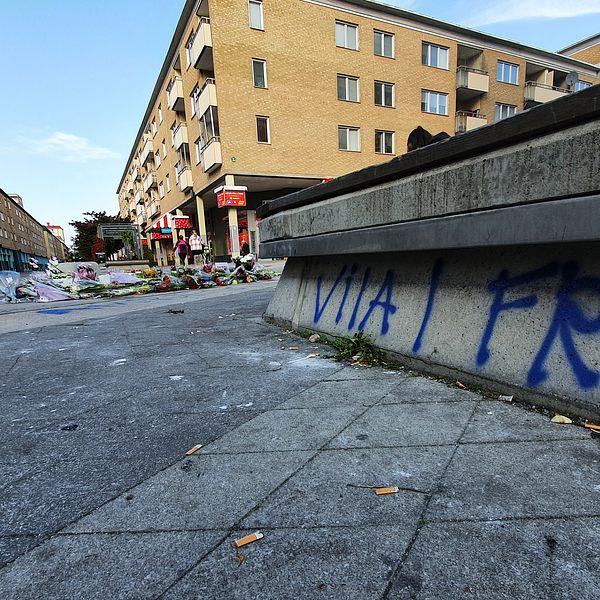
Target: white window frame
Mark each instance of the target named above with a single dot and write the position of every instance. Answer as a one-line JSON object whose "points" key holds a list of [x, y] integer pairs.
{"points": [[193, 96], [154, 128], [164, 148], [198, 146], [383, 85], [347, 129], [160, 113], [161, 189], [259, 26], [347, 79], [260, 61], [427, 57], [503, 67], [503, 111], [168, 182], [582, 85], [384, 35], [344, 26], [188, 48], [426, 96], [157, 158], [384, 133], [268, 121]]}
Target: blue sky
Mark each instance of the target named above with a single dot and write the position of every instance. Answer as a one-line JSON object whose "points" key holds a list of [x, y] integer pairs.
{"points": [[77, 77]]}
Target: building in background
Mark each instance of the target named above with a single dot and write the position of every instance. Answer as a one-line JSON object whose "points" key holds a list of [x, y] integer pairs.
{"points": [[57, 231], [587, 50], [269, 97], [23, 238], [17, 199]]}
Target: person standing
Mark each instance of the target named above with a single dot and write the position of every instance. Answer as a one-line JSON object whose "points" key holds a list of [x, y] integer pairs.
{"points": [[196, 244], [182, 249]]}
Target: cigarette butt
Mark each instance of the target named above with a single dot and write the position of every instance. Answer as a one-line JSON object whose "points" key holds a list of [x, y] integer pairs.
{"points": [[592, 426], [294, 348], [386, 490], [193, 450], [460, 385], [248, 539]]}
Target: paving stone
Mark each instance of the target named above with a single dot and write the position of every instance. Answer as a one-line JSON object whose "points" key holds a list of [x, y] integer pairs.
{"points": [[495, 421], [204, 491], [406, 425], [511, 560], [11, 547], [312, 564], [520, 479], [101, 566], [294, 429], [422, 389], [363, 392], [319, 494], [353, 373]]}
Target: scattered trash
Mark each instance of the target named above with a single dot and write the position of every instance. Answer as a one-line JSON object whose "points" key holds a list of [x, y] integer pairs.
{"points": [[592, 427], [506, 398], [223, 407], [129, 497], [176, 377], [312, 356], [70, 427], [378, 487], [248, 539], [245, 405], [240, 557], [274, 366], [280, 339], [119, 361], [460, 385], [386, 490], [294, 348], [313, 339], [193, 450], [219, 317], [174, 311], [561, 420]]}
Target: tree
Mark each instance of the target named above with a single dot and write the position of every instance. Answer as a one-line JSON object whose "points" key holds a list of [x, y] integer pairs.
{"points": [[86, 235]]}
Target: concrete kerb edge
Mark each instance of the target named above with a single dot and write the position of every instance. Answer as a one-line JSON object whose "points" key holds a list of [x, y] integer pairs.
{"points": [[476, 383]]}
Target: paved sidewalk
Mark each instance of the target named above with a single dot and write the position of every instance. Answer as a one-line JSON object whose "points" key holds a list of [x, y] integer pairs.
{"points": [[499, 502]]}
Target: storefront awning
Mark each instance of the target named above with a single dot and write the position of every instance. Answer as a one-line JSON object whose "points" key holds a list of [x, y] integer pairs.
{"points": [[171, 221]]}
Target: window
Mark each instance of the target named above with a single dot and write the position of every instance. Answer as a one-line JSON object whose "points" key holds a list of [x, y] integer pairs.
{"points": [[209, 125], [160, 115], [153, 126], [173, 130], [347, 88], [168, 182], [161, 189], [263, 133], [346, 35], [259, 73], [164, 149], [349, 138], [582, 85], [504, 111], [198, 146], [434, 102], [188, 48], [157, 158], [193, 98], [434, 56], [384, 142], [507, 72], [384, 93], [383, 44], [255, 10]]}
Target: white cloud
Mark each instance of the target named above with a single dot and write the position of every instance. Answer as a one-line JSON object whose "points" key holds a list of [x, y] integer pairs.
{"points": [[504, 11], [69, 148]]}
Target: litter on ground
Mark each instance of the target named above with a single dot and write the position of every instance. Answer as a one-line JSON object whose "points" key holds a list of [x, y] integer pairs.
{"points": [[248, 539]]}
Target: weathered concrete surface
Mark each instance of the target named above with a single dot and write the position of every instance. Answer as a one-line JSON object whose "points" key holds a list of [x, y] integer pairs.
{"points": [[523, 319], [499, 499]]}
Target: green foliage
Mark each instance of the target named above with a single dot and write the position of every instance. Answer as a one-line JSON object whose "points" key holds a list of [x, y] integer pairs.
{"points": [[358, 348], [86, 235], [149, 256]]}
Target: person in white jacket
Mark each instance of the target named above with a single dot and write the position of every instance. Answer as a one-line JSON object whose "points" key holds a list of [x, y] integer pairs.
{"points": [[196, 244]]}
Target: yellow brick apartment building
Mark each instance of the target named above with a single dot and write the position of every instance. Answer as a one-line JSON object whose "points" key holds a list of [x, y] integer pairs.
{"points": [[276, 95]]}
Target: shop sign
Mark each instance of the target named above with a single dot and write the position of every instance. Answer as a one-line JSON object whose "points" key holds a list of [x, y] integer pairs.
{"points": [[231, 198], [166, 230], [161, 236], [182, 223]]}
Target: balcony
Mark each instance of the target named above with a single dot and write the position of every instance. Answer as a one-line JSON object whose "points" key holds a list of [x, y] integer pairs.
{"points": [[152, 209], [201, 52], [211, 155], [180, 135], [184, 176], [472, 82], [141, 216], [540, 92], [135, 174], [467, 121], [175, 94], [147, 152], [139, 197], [149, 181], [130, 185], [207, 97]]}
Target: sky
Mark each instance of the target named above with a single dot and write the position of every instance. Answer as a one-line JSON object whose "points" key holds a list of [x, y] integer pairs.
{"points": [[77, 76]]}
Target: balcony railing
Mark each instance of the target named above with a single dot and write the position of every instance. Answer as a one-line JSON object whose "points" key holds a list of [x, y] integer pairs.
{"points": [[184, 175], [152, 209], [147, 151], [180, 135], [473, 80], [149, 181], [541, 92], [175, 94], [210, 155], [466, 121], [139, 197], [206, 97], [141, 216], [201, 56], [135, 174]]}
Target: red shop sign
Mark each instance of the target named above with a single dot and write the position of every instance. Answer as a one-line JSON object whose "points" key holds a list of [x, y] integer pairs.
{"points": [[161, 236], [182, 223], [231, 198]]}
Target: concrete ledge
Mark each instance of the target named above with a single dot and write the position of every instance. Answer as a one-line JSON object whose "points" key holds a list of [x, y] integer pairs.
{"points": [[565, 220]]}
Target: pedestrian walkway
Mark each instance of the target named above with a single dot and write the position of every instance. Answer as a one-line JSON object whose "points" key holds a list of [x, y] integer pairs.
{"points": [[494, 501]]}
